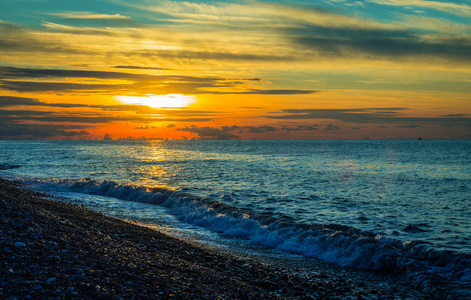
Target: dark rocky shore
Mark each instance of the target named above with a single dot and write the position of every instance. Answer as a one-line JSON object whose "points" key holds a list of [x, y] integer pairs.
{"points": [[55, 250]]}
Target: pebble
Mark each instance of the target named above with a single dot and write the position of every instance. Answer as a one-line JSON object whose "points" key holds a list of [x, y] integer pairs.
{"points": [[51, 280], [79, 278], [20, 244], [38, 288], [53, 245]]}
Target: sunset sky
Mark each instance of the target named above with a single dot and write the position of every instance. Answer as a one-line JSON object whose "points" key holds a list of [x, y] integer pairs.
{"points": [[333, 69]]}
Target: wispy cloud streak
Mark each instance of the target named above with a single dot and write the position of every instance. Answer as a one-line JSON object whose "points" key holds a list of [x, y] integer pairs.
{"points": [[461, 9]]}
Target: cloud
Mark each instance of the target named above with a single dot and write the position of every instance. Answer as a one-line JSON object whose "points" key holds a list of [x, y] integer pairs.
{"points": [[363, 115], [275, 92], [92, 19], [89, 15], [237, 33], [36, 131], [228, 132], [301, 128], [187, 112], [322, 32], [167, 84], [449, 7], [410, 126], [71, 118], [214, 55], [144, 113], [12, 121], [250, 129], [135, 81], [378, 43], [17, 40], [210, 133], [331, 127], [433, 25], [139, 68], [9, 26], [13, 101], [21, 113], [231, 128], [260, 129], [171, 126], [145, 127], [255, 13], [14, 72], [186, 120], [22, 101], [455, 115], [84, 31], [163, 44], [37, 86]]}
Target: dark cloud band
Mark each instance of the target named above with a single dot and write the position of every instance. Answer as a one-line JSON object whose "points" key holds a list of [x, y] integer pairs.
{"points": [[364, 115]]}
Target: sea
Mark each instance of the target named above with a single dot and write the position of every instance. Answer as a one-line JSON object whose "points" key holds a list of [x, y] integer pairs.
{"points": [[399, 207]]}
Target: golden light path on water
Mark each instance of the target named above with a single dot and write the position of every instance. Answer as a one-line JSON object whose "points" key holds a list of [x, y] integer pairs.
{"points": [[159, 101]]}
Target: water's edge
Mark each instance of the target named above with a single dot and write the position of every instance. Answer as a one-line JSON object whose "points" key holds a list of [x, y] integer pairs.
{"points": [[334, 243]]}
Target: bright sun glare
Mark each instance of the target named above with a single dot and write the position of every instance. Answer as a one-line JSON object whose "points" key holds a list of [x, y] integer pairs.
{"points": [[159, 101]]}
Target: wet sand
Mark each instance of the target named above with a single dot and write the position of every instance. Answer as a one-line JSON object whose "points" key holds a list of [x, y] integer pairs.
{"points": [[57, 250]]}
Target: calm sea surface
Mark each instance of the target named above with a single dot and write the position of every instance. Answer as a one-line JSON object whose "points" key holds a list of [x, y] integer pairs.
{"points": [[365, 204]]}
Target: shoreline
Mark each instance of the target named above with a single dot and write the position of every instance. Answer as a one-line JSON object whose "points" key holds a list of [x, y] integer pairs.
{"points": [[59, 250]]}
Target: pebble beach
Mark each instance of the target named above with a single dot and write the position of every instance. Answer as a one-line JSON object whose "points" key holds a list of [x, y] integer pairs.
{"points": [[55, 250]]}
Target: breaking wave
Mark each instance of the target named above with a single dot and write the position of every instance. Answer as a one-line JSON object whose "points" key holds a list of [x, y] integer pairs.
{"points": [[334, 243]]}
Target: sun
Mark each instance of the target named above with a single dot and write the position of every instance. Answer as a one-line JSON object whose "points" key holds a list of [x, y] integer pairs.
{"points": [[160, 101]]}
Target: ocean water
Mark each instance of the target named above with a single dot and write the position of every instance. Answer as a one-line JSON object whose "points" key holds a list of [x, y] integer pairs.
{"points": [[393, 206]]}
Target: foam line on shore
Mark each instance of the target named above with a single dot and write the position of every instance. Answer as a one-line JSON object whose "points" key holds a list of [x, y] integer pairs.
{"points": [[342, 245]]}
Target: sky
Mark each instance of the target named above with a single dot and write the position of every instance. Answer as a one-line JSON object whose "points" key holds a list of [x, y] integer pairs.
{"points": [[332, 69]]}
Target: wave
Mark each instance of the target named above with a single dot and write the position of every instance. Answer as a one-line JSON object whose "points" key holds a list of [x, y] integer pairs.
{"points": [[343, 245], [5, 166]]}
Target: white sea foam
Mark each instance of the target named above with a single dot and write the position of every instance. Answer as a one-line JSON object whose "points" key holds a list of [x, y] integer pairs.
{"points": [[339, 244]]}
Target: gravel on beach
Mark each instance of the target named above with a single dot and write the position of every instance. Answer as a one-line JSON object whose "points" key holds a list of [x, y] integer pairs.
{"points": [[55, 250]]}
